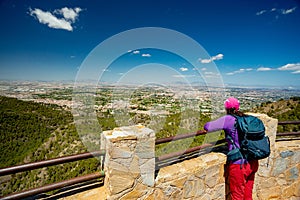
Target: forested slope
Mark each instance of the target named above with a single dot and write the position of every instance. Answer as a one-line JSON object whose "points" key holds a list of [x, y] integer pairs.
{"points": [[32, 132], [24, 126], [283, 110]]}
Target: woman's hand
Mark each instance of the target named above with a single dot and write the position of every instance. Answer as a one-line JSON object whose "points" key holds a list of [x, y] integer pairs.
{"points": [[201, 132]]}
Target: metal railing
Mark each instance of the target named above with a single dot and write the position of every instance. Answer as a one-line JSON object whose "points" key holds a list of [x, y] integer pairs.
{"points": [[97, 175], [179, 137], [53, 186], [287, 136], [47, 163], [288, 122], [50, 162]]}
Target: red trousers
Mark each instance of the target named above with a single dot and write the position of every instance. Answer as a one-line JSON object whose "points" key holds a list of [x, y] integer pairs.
{"points": [[241, 181]]}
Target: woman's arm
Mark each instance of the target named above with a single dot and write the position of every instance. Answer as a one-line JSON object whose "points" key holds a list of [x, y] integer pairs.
{"points": [[215, 125]]}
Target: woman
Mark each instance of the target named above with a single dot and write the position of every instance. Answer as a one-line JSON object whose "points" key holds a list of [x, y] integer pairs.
{"points": [[241, 172]]}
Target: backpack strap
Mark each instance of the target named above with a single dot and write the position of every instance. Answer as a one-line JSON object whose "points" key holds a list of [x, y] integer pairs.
{"points": [[232, 142], [235, 147], [242, 136], [231, 139]]}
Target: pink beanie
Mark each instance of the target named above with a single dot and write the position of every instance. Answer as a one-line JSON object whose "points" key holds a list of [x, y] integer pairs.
{"points": [[232, 102]]}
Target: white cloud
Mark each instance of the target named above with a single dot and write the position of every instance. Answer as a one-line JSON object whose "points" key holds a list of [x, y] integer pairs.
{"points": [[183, 69], [264, 69], [288, 11], [69, 13], [279, 11], [235, 72], [146, 55], [182, 76], [261, 12], [242, 70], [217, 57], [230, 73], [48, 18], [136, 52], [209, 73], [205, 61], [51, 20], [295, 67]]}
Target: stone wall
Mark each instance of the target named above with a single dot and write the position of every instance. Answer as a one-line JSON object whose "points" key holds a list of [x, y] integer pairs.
{"points": [[278, 177], [282, 179], [129, 169], [199, 178]]}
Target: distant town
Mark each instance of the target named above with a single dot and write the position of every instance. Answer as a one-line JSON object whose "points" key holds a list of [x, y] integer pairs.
{"points": [[151, 100]]}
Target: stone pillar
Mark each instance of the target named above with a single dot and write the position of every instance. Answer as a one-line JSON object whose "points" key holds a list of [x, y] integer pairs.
{"points": [[129, 161], [265, 165]]}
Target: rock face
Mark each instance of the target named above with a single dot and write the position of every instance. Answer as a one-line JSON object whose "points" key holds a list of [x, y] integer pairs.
{"points": [[129, 161], [199, 178], [282, 179], [130, 166]]}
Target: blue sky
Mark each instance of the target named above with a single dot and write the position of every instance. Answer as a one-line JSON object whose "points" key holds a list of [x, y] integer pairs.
{"points": [[251, 42]]}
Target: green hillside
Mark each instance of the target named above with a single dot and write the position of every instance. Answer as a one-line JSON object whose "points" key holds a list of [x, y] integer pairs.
{"points": [[283, 110], [24, 126], [32, 132], [35, 131]]}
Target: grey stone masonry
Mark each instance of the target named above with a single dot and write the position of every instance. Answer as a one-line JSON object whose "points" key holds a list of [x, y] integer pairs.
{"points": [[129, 160], [129, 170]]}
